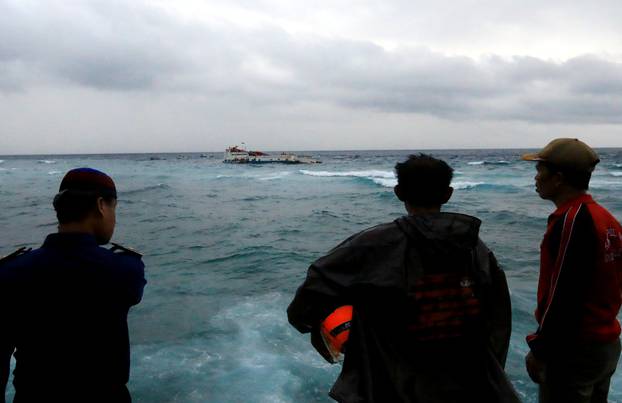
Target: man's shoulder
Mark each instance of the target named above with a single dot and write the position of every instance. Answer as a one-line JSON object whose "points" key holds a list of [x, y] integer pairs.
{"points": [[18, 257], [599, 214], [120, 255]]}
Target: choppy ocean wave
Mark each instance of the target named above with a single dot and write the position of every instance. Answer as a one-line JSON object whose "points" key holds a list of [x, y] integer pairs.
{"points": [[1, 161], [383, 178], [387, 178], [615, 173], [355, 174], [54, 172], [500, 162], [601, 184], [46, 162], [226, 247], [144, 189], [278, 175], [466, 185]]}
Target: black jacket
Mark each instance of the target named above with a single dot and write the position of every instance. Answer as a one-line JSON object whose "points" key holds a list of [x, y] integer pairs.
{"points": [[401, 347]]}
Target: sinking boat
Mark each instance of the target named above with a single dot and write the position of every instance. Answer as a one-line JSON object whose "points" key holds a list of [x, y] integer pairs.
{"points": [[238, 155]]}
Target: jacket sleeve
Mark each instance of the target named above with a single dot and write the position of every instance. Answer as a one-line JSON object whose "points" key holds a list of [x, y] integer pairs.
{"points": [[498, 304], [132, 277], [501, 313], [576, 257], [324, 288]]}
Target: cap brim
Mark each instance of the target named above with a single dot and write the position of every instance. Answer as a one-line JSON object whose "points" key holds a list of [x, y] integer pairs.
{"points": [[532, 157]]}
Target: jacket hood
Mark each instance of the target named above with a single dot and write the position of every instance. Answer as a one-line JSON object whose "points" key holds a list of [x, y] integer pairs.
{"points": [[450, 229]]}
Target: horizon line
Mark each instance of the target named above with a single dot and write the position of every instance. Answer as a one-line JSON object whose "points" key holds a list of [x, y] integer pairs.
{"points": [[286, 150]]}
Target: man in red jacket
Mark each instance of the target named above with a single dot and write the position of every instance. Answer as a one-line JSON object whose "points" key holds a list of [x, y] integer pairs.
{"points": [[576, 348]]}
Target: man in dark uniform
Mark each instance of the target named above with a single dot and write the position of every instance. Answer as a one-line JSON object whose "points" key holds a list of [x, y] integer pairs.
{"points": [[64, 306], [576, 348], [431, 317]]}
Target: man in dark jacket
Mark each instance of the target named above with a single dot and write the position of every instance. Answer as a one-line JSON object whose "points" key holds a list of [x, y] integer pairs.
{"points": [[431, 309], [64, 306], [576, 348]]}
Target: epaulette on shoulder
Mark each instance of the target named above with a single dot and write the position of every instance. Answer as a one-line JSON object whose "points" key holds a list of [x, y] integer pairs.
{"points": [[122, 249], [15, 254]]}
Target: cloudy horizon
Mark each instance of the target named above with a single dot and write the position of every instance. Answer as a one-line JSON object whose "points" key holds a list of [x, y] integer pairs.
{"points": [[121, 76]]}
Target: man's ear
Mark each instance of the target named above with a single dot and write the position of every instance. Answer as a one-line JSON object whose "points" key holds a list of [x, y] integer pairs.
{"points": [[100, 205], [398, 192], [559, 178]]}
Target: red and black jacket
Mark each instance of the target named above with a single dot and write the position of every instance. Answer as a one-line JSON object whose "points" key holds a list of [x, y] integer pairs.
{"points": [[579, 289]]}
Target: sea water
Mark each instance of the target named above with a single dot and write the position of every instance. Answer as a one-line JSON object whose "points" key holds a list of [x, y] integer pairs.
{"points": [[226, 246]]}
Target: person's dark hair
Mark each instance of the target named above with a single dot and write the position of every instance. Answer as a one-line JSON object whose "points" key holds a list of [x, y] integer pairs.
{"points": [[577, 179], [74, 206], [423, 180]]}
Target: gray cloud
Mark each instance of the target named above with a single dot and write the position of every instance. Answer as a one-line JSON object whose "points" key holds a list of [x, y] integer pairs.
{"points": [[128, 47]]}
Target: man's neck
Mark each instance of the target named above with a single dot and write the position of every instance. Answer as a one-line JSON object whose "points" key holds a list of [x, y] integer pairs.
{"points": [[76, 227], [418, 210], [566, 196]]}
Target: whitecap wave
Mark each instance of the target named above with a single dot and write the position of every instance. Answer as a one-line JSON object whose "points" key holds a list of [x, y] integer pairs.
{"points": [[466, 185], [46, 162], [53, 172], [615, 173], [278, 175], [387, 183], [1, 161], [385, 179], [356, 174], [499, 162], [617, 165]]}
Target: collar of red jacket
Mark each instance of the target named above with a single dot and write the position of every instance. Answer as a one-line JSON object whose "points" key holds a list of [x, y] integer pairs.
{"points": [[561, 210]]}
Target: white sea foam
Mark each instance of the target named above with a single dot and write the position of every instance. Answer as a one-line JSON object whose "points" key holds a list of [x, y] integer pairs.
{"points": [[46, 162], [387, 183], [500, 162], [53, 172], [356, 174], [383, 178], [465, 185], [278, 175], [615, 173]]}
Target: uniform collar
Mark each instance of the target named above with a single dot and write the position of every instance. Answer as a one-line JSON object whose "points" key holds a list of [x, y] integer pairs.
{"points": [[70, 239], [561, 210]]}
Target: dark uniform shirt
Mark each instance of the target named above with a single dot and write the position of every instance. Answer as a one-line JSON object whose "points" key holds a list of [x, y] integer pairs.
{"points": [[64, 311], [431, 312]]}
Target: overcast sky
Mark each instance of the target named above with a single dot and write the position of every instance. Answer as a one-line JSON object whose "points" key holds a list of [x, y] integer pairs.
{"points": [[137, 76]]}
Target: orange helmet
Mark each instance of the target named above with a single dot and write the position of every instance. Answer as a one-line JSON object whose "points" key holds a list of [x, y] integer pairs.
{"points": [[335, 330]]}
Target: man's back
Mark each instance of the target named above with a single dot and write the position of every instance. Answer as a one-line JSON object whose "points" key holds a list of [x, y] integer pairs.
{"points": [[66, 307], [422, 311]]}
